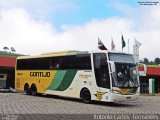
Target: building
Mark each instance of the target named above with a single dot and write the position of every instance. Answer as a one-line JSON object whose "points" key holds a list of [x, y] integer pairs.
{"points": [[146, 72], [7, 69]]}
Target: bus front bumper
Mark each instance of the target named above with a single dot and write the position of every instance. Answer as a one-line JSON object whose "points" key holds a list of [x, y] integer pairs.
{"points": [[120, 98]]}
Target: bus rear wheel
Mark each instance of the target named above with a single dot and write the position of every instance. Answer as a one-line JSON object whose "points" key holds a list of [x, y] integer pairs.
{"points": [[27, 89], [85, 95], [33, 90]]}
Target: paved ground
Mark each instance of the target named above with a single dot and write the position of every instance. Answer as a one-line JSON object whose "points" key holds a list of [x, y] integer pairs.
{"points": [[21, 104]]}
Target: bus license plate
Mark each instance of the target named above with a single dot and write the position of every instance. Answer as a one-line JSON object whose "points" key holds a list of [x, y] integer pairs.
{"points": [[128, 97]]}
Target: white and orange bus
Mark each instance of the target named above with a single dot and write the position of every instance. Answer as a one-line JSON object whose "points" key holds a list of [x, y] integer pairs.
{"points": [[89, 75]]}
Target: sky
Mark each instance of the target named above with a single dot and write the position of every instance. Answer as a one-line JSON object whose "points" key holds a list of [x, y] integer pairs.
{"points": [[37, 26]]}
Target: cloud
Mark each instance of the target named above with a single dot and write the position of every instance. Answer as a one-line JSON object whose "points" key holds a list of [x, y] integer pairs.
{"points": [[86, 35], [148, 31], [151, 18], [28, 35], [18, 29], [145, 26]]}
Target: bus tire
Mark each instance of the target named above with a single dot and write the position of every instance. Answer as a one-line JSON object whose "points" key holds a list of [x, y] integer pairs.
{"points": [[85, 95], [27, 89], [33, 90]]}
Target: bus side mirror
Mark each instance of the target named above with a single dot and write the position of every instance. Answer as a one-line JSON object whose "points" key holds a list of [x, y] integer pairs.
{"points": [[112, 66]]}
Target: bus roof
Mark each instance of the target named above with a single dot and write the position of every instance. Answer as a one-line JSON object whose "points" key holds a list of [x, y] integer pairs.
{"points": [[68, 52], [50, 54]]}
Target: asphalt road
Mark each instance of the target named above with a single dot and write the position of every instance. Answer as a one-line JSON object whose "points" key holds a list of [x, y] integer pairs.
{"points": [[20, 106]]}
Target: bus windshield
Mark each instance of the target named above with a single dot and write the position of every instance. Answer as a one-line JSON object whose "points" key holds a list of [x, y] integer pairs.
{"points": [[125, 75]]}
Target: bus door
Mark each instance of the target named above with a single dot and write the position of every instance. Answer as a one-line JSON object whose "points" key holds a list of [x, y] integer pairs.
{"points": [[101, 71]]}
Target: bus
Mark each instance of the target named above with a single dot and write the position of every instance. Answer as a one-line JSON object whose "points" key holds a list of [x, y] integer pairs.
{"points": [[99, 75]]}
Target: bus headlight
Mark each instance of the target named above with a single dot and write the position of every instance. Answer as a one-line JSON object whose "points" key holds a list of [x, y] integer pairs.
{"points": [[116, 91]]}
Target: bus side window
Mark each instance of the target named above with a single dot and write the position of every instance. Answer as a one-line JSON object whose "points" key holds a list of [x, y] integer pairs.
{"points": [[55, 63], [76, 62]]}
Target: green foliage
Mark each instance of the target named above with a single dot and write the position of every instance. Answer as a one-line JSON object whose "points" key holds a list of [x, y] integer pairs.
{"points": [[9, 54], [157, 60], [147, 62]]}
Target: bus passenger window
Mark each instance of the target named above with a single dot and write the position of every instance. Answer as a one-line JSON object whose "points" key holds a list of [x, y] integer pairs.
{"points": [[55, 63]]}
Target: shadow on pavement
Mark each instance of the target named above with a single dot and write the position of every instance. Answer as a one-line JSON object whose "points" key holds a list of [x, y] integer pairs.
{"points": [[108, 104]]}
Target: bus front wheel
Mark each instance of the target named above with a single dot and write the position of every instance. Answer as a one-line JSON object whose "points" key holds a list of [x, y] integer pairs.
{"points": [[85, 95]]}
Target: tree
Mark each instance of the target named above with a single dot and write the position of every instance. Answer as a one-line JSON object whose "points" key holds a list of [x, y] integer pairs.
{"points": [[12, 49], [146, 61], [157, 60], [5, 48], [151, 63]]}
